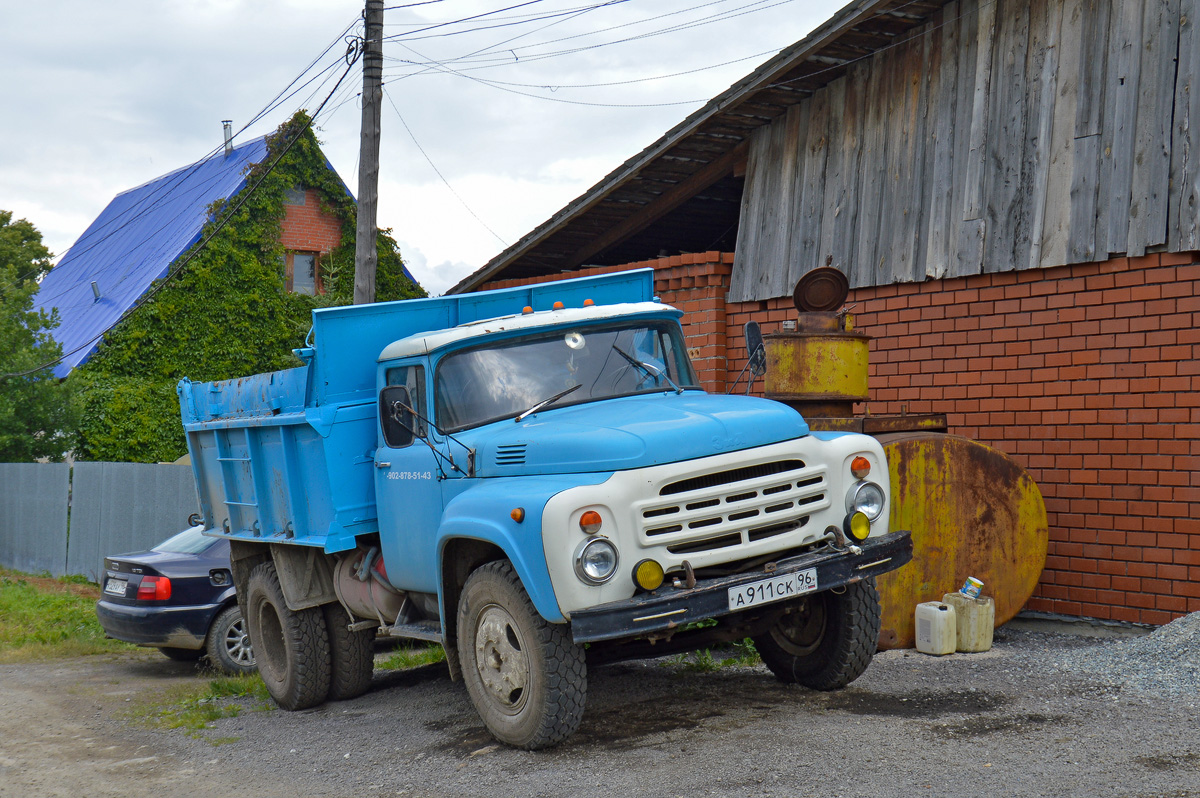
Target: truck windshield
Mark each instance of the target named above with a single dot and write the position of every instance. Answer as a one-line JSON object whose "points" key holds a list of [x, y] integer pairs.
{"points": [[489, 383]]}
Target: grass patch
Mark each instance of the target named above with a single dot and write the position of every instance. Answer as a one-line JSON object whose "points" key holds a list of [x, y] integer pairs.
{"points": [[195, 708], [740, 653], [412, 656], [45, 618]]}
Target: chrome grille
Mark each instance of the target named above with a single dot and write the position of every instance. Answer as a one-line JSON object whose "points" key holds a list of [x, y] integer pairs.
{"points": [[733, 508]]}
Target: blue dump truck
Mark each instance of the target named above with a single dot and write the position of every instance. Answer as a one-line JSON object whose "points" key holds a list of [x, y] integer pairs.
{"points": [[534, 479]]}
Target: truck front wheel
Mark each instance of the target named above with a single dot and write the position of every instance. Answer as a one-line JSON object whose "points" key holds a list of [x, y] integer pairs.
{"points": [[826, 640], [526, 677], [291, 647]]}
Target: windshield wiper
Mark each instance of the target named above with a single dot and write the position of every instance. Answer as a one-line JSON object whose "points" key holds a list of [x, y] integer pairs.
{"points": [[545, 402], [649, 370]]}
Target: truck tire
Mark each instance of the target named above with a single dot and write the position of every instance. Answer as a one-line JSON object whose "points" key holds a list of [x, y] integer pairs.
{"points": [[292, 648], [827, 640], [352, 655], [228, 644], [526, 677]]}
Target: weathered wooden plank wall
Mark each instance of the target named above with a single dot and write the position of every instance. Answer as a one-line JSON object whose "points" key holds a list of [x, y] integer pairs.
{"points": [[1004, 134]]}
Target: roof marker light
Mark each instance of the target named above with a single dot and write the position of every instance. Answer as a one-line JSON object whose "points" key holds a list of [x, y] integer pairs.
{"points": [[559, 306], [587, 303], [527, 310]]}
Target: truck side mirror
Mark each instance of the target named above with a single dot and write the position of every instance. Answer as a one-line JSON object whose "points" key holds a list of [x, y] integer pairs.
{"points": [[396, 416]]}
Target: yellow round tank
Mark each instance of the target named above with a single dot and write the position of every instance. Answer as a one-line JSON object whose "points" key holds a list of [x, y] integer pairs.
{"points": [[973, 511]]}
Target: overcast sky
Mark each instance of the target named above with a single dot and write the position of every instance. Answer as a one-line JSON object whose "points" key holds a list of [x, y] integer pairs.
{"points": [[100, 97]]}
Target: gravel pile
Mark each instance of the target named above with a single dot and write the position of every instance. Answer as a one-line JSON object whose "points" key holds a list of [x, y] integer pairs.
{"points": [[1165, 662]]}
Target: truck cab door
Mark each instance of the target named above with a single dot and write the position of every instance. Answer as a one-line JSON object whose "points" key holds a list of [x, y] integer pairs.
{"points": [[408, 491]]}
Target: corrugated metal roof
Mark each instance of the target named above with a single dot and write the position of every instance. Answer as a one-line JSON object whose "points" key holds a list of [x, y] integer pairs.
{"points": [[132, 243]]}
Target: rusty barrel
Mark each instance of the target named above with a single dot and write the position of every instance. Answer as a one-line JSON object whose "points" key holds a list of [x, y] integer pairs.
{"points": [[821, 368], [973, 511]]}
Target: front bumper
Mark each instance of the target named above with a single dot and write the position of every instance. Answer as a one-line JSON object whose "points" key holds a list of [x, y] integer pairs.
{"points": [[157, 626], [668, 608]]}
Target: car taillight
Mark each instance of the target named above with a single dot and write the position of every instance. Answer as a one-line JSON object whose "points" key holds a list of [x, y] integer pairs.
{"points": [[154, 588]]}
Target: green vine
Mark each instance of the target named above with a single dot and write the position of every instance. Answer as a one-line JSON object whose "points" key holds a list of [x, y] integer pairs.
{"points": [[226, 314]]}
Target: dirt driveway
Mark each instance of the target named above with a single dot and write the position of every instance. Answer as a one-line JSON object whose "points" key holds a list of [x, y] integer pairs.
{"points": [[1014, 721]]}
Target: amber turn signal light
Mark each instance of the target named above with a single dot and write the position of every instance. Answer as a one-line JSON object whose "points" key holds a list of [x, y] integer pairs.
{"points": [[590, 522], [860, 467], [518, 514]]}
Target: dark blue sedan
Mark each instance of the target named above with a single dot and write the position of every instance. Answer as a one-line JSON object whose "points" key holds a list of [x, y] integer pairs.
{"points": [[178, 597]]}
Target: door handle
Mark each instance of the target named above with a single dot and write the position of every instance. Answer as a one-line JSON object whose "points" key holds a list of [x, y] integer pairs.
{"points": [[383, 465]]}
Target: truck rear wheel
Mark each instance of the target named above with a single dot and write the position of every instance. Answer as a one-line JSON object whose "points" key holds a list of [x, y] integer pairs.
{"points": [[352, 655], [291, 647], [526, 677], [827, 640]]}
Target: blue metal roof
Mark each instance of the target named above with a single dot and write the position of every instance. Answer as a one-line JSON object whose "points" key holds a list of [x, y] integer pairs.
{"points": [[132, 243]]}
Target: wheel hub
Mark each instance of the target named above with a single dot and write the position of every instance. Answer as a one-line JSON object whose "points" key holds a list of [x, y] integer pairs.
{"points": [[500, 658], [801, 631]]}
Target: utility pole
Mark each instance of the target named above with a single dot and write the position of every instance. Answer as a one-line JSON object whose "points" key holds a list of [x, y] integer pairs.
{"points": [[366, 255]]}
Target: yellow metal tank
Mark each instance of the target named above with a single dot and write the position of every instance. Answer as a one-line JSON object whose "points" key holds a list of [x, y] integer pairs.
{"points": [[973, 511], [821, 368]]}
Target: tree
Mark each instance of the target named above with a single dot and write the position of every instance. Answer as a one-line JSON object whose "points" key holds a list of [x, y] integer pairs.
{"points": [[36, 415]]}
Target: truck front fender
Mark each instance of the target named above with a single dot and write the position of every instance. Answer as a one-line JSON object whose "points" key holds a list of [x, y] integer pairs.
{"points": [[484, 513]]}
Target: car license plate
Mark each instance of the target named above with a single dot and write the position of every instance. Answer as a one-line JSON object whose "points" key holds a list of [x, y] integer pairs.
{"points": [[115, 587], [775, 589]]}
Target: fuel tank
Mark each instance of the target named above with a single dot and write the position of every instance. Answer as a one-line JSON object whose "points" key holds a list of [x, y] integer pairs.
{"points": [[973, 511]]}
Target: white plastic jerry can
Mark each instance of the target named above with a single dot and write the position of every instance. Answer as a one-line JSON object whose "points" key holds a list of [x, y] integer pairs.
{"points": [[936, 628], [975, 618]]}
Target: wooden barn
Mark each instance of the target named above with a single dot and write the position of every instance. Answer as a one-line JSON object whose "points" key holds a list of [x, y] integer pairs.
{"points": [[1012, 187]]}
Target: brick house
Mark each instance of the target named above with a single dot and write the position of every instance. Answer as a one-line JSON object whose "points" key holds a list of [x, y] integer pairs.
{"points": [[143, 231], [1012, 189]]}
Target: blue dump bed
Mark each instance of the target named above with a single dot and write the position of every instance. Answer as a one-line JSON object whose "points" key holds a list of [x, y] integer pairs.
{"points": [[288, 456]]}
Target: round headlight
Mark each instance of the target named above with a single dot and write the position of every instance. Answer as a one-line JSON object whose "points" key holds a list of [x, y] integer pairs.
{"points": [[596, 561], [866, 498]]}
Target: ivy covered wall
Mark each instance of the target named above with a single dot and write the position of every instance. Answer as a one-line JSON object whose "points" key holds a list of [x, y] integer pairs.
{"points": [[225, 314]]}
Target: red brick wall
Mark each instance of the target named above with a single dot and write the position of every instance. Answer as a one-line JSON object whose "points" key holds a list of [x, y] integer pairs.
{"points": [[310, 227], [696, 284], [1088, 375]]}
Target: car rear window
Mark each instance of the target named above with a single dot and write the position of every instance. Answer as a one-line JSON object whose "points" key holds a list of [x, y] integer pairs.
{"points": [[189, 541]]}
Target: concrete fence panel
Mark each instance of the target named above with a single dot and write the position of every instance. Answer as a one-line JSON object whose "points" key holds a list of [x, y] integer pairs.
{"points": [[33, 516]]}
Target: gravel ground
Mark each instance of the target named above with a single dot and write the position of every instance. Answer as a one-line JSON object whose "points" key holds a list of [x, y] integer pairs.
{"points": [[1040, 714]]}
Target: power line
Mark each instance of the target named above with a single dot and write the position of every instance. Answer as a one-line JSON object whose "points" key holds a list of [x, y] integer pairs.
{"points": [[199, 247], [162, 192], [439, 171]]}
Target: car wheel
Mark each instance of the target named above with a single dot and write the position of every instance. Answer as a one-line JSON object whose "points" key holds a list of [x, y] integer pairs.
{"points": [[291, 647], [228, 643], [526, 677], [352, 654], [182, 654], [825, 640]]}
